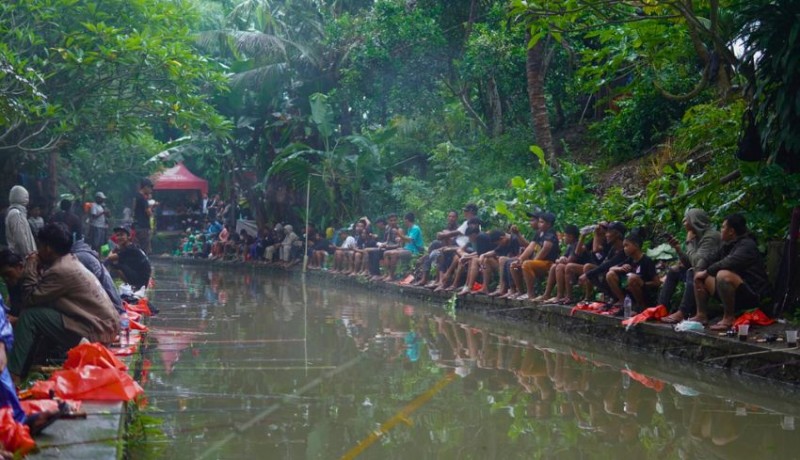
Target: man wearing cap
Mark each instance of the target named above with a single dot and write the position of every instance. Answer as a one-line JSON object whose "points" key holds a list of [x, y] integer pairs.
{"points": [[128, 261], [615, 232], [98, 222], [142, 213]]}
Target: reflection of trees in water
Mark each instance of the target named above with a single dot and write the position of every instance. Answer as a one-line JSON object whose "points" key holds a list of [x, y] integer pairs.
{"points": [[514, 400]]}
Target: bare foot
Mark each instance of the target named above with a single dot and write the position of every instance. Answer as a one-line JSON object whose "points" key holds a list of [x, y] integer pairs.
{"points": [[702, 319], [674, 318]]}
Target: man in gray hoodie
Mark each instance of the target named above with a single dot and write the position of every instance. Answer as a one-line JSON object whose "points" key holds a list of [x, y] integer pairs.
{"points": [[702, 249], [18, 230], [738, 278]]}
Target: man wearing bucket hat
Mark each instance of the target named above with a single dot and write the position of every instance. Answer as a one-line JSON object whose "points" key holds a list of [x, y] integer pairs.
{"points": [[98, 222]]}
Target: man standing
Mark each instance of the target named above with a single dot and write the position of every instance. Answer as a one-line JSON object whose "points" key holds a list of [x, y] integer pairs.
{"points": [[98, 222], [739, 278], [142, 213], [18, 230], [129, 261], [62, 302]]}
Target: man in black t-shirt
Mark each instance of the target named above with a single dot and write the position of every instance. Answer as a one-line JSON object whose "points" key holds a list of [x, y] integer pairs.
{"points": [[637, 275], [142, 213], [505, 245], [128, 261]]}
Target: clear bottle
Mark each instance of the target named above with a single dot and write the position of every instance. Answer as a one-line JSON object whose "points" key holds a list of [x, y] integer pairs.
{"points": [[124, 329], [627, 306]]}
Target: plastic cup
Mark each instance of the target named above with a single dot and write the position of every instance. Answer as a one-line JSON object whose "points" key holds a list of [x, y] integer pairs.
{"points": [[744, 329], [791, 339]]}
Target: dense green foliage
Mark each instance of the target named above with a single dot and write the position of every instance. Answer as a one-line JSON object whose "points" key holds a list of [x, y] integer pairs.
{"points": [[633, 112]]}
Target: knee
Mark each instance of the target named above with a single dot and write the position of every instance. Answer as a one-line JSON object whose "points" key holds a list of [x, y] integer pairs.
{"points": [[635, 281], [612, 277], [727, 276]]}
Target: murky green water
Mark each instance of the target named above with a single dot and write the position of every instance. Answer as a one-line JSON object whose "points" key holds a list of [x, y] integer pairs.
{"points": [[265, 366]]}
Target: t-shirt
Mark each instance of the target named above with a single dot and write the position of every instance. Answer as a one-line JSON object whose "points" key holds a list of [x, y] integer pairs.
{"points": [[509, 250], [483, 243], [97, 216], [349, 243], [645, 267], [585, 257], [136, 260], [555, 249], [140, 217], [416, 245], [462, 240]]}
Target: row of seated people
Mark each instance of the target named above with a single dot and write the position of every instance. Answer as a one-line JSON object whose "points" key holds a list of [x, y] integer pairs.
{"points": [[604, 258]]}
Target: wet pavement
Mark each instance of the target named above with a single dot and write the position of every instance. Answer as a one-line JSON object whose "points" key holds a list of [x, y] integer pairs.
{"points": [[265, 365]]}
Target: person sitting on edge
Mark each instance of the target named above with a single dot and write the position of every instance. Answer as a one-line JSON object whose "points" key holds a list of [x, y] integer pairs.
{"points": [[320, 251], [738, 278], [636, 275], [702, 249], [588, 254], [413, 245], [360, 260], [469, 261], [452, 272], [505, 245], [537, 267], [128, 261], [614, 236], [350, 255], [507, 288], [443, 240], [289, 238], [385, 243], [348, 245], [558, 272], [8, 391], [62, 302]]}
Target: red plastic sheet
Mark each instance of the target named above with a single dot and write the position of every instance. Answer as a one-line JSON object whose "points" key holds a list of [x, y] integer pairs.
{"points": [[755, 317], [33, 406], [14, 437], [584, 306], [142, 307], [656, 312], [93, 354], [137, 326], [89, 382], [649, 382]]}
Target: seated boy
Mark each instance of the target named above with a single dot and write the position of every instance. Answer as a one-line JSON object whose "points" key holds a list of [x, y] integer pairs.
{"points": [[595, 275], [340, 258], [505, 245], [538, 266], [558, 276], [636, 275], [413, 245], [128, 261]]}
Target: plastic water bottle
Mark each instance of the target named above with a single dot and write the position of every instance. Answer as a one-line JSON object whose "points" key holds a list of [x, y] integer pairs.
{"points": [[627, 306], [125, 328]]}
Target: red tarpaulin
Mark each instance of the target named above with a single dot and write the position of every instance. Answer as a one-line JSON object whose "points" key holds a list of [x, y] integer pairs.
{"points": [[179, 178]]}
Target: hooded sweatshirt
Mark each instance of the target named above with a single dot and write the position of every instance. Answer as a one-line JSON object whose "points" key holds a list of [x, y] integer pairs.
{"points": [[703, 250], [89, 259], [18, 230]]}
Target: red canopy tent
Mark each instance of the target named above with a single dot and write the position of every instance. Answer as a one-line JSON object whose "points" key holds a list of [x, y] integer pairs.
{"points": [[179, 177]]}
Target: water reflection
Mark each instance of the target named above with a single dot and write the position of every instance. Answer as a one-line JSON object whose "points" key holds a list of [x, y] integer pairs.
{"points": [[230, 345]]}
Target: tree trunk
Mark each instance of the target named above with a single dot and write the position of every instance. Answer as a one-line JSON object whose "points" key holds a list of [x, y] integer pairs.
{"points": [[535, 72], [495, 107]]}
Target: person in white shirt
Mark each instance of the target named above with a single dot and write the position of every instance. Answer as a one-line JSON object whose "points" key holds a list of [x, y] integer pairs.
{"points": [[98, 222], [348, 245]]}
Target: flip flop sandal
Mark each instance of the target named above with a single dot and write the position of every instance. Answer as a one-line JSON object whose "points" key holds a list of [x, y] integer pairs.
{"points": [[35, 423]]}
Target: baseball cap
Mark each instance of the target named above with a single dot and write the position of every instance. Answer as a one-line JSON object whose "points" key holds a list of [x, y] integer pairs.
{"points": [[100, 195]]}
